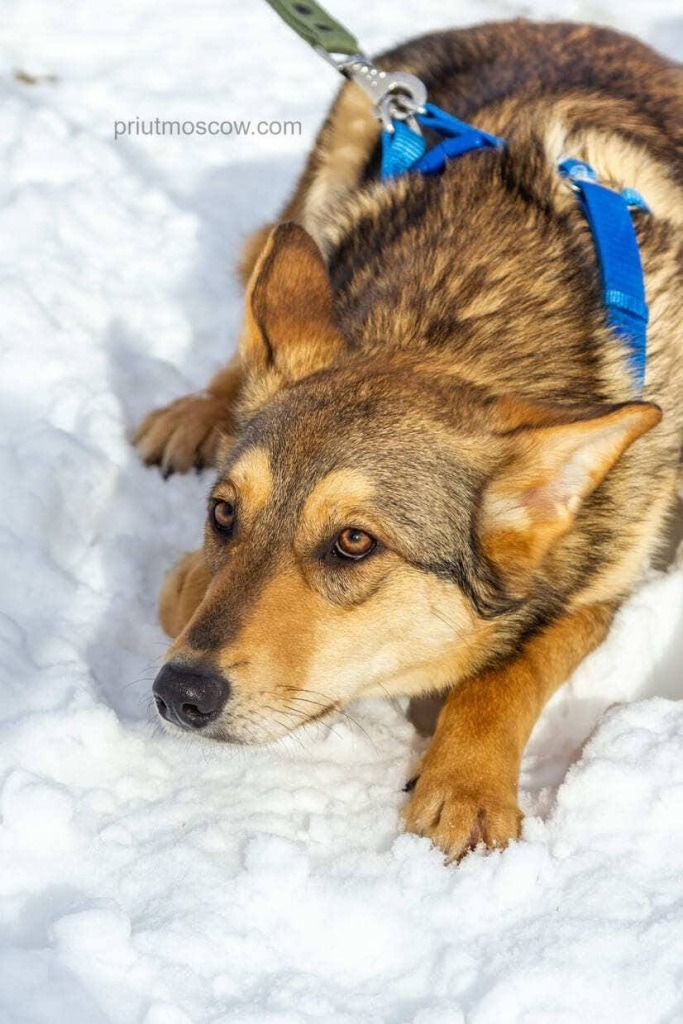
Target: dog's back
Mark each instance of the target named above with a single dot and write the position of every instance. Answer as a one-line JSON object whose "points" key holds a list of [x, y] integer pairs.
{"points": [[476, 259]]}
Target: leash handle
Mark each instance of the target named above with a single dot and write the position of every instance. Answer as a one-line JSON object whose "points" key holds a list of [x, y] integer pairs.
{"points": [[315, 26]]}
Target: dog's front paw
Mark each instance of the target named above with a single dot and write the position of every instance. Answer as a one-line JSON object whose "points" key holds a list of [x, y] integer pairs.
{"points": [[457, 819], [184, 434]]}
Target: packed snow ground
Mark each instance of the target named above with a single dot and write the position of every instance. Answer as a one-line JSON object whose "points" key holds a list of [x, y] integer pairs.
{"points": [[147, 880]]}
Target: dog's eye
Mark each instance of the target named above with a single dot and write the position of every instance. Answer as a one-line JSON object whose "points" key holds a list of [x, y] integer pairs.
{"points": [[223, 516], [354, 544]]}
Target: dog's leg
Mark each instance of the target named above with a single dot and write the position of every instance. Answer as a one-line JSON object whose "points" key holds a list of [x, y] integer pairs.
{"points": [[182, 592], [186, 433], [466, 786]]}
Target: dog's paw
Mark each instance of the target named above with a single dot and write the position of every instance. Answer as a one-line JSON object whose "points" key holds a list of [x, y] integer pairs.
{"points": [[185, 434], [457, 819]]}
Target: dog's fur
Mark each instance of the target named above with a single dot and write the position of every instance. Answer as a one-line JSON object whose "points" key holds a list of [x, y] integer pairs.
{"points": [[443, 378]]}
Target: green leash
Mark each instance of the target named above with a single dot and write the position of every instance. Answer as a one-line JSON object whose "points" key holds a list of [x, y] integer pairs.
{"points": [[395, 95], [316, 26]]}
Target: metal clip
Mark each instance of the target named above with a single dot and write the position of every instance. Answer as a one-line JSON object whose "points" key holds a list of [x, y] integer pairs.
{"points": [[395, 95], [575, 172]]}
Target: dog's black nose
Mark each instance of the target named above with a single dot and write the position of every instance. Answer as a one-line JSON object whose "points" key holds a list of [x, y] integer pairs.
{"points": [[189, 697]]}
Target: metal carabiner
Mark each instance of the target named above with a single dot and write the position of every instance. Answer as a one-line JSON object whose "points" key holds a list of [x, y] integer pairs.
{"points": [[395, 95]]}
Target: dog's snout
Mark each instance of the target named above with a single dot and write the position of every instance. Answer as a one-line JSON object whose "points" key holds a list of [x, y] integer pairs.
{"points": [[192, 698]]}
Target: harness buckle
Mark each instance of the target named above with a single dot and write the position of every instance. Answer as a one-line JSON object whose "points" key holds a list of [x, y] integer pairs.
{"points": [[575, 172]]}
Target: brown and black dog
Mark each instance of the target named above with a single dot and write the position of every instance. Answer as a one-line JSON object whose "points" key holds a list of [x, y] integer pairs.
{"points": [[435, 474]]}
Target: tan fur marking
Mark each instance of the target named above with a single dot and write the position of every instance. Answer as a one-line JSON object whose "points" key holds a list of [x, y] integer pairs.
{"points": [[276, 640], [252, 477], [336, 501]]}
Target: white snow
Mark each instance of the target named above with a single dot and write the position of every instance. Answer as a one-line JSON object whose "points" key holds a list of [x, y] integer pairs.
{"points": [[143, 879]]}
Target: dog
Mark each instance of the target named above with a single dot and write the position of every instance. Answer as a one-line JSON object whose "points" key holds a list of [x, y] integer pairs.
{"points": [[435, 473]]}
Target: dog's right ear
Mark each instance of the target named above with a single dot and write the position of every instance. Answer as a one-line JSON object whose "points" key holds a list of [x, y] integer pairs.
{"points": [[554, 462], [289, 325]]}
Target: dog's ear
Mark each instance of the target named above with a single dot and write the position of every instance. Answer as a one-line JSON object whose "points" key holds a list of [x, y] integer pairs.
{"points": [[289, 322], [548, 471]]}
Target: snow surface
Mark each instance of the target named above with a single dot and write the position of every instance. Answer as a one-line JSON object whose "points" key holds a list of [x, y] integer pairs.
{"points": [[147, 880]]}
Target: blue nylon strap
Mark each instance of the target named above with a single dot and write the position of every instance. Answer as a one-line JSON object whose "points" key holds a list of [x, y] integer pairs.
{"points": [[618, 254], [607, 212], [405, 150], [401, 148]]}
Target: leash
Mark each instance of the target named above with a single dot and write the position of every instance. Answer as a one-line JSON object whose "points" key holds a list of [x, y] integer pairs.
{"points": [[399, 101]]}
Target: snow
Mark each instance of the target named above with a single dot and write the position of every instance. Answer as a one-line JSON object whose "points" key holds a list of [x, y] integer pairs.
{"points": [[148, 880]]}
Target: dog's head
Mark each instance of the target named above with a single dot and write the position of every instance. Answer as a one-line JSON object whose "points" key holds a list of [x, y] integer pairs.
{"points": [[380, 526]]}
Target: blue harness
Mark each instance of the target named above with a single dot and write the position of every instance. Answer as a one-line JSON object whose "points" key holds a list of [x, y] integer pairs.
{"points": [[608, 214]]}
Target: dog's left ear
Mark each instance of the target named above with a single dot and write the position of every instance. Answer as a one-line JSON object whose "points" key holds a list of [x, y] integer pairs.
{"points": [[549, 470], [289, 319]]}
